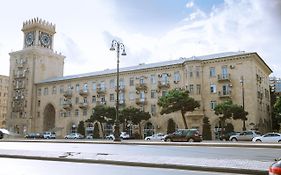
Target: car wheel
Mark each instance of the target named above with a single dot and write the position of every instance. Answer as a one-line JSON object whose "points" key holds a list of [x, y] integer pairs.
{"points": [[258, 140], [148, 139], [190, 140], [279, 141], [168, 140], [234, 140]]}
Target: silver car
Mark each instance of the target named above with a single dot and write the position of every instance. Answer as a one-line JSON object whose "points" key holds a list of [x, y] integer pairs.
{"points": [[155, 137], [245, 136], [74, 136], [269, 137]]}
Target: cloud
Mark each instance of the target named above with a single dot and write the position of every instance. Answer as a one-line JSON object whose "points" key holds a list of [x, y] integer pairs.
{"points": [[189, 4]]}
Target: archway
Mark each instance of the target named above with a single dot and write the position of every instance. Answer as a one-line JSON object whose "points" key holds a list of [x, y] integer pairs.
{"points": [[49, 118]]}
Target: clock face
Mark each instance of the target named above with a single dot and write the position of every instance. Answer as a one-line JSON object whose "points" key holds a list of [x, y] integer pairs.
{"points": [[45, 39], [29, 38]]}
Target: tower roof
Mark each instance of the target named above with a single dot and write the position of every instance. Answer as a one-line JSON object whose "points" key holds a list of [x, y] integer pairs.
{"points": [[39, 23]]}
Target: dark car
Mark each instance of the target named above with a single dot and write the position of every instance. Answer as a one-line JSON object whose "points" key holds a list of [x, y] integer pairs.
{"points": [[184, 135], [226, 136], [34, 136], [1, 135]]}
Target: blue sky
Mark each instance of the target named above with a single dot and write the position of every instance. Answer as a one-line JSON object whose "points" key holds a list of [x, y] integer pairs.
{"points": [[152, 30]]}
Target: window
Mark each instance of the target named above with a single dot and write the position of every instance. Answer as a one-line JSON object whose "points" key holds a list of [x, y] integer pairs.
{"points": [[176, 76], [198, 89], [190, 69], [142, 95], [213, 104], [197, 69], [85, 100], [153, 79], [76, 100], [54, 91], [85, 112], [153, 93], [132, 81], [38, 103], [111, 84], [94, 99], [94, 86], [225, 89], [85, 87], [76, 112], [111, 97], [77, 88], [61, 89], [39, 92], [121, 83], [122, 98], [132, 96], [153, 109], [224, 72], [141, 80], [191, 89], [212, 72], [213, 88], [45, 91], [61, 101]]}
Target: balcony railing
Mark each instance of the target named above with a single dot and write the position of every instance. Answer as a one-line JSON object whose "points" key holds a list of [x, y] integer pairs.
{"points": [[18, 76], [163, 84], [101, 90], [141, 86], [67, 94], [84, 92], [83, 105], [141, 101], [121, 88], [67, 105], [224, 77], [101, 102], [224, 94]]}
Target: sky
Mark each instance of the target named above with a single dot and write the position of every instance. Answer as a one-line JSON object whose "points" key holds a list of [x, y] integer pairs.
{"points": [[151, 30]]}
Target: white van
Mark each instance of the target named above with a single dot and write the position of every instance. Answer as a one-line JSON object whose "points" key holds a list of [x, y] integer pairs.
{"points": [[49, 135]]}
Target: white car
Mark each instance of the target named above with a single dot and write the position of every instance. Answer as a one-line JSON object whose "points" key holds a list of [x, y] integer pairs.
{"points": [[74, 136], [49, 135], [155, 137], [269, 137], [3, 132]]}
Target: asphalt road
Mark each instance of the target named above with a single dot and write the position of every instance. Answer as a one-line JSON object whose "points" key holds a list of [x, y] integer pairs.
{"points": [[35, 167], [259, 154]]}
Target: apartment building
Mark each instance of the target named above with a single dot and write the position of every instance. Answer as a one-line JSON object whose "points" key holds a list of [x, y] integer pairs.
{"points": [[41, 98], [4, 82]]}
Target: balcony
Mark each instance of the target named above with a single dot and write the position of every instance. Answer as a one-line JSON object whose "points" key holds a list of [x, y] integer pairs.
{"points": [[83, 105], [122, 102], [101, 102], [121, 88], [141, 101], [141, 86], [224, 94], [19, 76], [19, 86], [67, 94], [101, 90], [163, 84], [67, 105], [224, 77], [84, 92]]}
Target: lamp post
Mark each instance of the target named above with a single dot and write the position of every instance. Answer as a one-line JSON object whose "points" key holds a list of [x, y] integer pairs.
{"points": [[243, 101], [116, 45]]}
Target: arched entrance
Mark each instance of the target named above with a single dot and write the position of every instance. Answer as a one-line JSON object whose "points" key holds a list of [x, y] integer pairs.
{"points": [[49, 118], [148, 129]]}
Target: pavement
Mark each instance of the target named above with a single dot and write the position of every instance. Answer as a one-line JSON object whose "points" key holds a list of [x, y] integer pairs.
{"points": [[238, 166]]}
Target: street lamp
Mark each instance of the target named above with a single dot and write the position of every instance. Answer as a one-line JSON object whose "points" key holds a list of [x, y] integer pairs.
{"points": [[115, 45], [243, 103]]}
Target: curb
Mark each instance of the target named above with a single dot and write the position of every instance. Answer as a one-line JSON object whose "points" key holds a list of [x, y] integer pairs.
{"points": [[140, 164]]}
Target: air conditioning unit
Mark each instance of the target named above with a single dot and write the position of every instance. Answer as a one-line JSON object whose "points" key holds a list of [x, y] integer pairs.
{"points": [[232, 66]]}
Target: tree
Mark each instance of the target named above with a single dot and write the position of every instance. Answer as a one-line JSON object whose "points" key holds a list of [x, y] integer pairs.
{"points": [[207, 135], [81, 128], [177, 100], [136, 116], [223, 110], [96, 133], [171, 126], [103, 114], [229, 128], [277, 113], [239, 113]]}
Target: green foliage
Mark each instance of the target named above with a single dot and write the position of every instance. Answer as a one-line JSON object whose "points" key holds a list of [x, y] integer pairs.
{"points": [[206, 133], [134, 115], [103, 114], [177, 100], [229, 128], [171, 126], [81, 128], [96, 133], [276, 116]]}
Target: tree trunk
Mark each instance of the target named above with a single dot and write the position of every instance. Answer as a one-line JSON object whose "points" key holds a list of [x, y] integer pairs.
{"points": [[184, 120], [140, 130], [102, 132]]}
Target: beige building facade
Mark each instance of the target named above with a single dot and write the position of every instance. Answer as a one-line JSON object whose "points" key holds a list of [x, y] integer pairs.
{"points": [[41, 98], [4, 83]]}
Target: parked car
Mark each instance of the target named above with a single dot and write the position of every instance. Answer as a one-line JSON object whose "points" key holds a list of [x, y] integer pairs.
{"points": [[74, 136], [89, 136], [49, 135], [33, 135], [275, 168], [185, 135], [110, 137], [1, 135], [269, 137], [155, 137], [245, 136], [226, 136], [124, 135]]}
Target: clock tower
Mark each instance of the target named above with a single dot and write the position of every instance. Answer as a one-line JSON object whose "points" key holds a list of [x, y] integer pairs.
{"points": [[34, 63]]}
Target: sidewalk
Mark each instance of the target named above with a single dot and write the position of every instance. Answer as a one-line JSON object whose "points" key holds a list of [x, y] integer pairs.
{"points": [[202, 164]]}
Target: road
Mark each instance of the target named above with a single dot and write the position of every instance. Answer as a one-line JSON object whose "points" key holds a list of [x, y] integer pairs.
{"points": [[36, 167], [259, 154]]}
